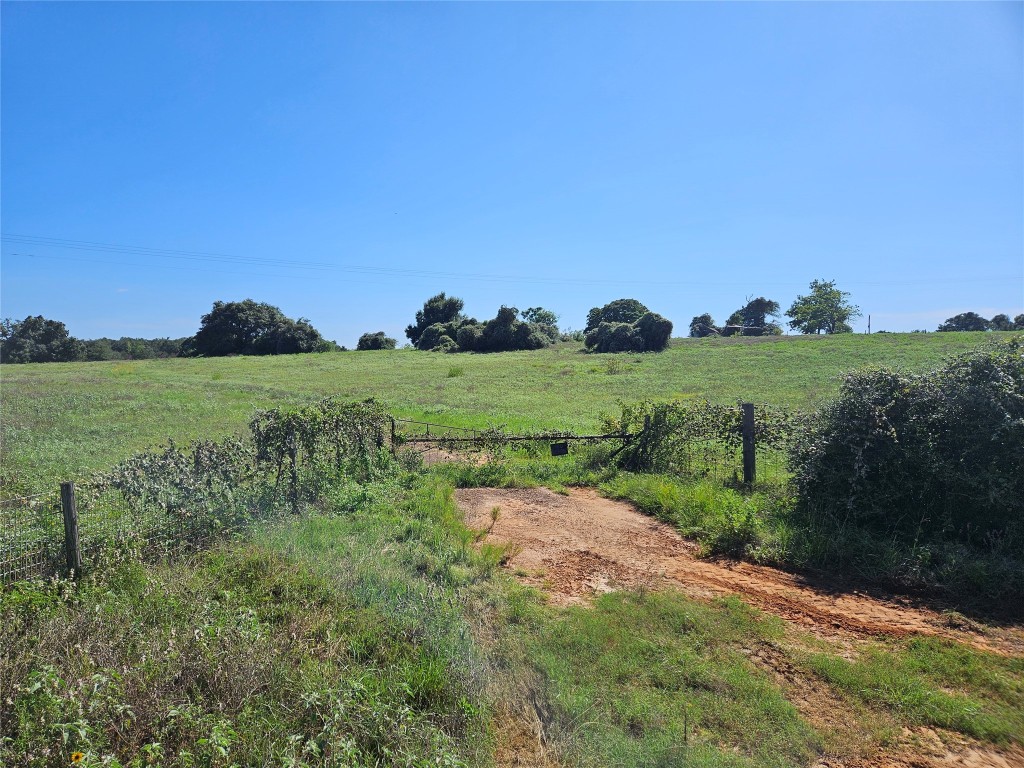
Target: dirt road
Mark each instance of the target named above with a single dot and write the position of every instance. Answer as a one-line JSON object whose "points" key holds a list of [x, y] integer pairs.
{"points": [[578, 545]]}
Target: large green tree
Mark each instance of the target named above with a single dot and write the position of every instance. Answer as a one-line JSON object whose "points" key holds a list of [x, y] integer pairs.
{"points": [[378, 340], [618, 311], [966, 321], [437, 310], [826, 309], [38, 340], [757, 314], [251, 328]]}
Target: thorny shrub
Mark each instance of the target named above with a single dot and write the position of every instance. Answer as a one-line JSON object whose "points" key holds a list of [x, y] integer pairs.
{"points": [[915, 456]]}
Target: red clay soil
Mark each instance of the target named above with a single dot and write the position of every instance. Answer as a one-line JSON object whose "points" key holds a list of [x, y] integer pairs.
{"points": [[581, 544], [577, 545]]}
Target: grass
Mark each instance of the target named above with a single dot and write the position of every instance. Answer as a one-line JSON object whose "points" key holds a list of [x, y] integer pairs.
{"points": [[927, 681], [59, 421], [655, 679], [328, 640], [378, 632]]}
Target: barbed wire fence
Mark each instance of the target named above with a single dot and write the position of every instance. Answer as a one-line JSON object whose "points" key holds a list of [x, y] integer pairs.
{"points": [[160, 503]]}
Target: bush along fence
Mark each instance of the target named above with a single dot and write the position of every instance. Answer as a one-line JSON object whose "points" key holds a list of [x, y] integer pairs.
{"points": [[697, 439], [158, 503]]}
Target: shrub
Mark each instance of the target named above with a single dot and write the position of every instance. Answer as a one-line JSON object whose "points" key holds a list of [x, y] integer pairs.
{"points": [[614, 337], [649, 333], [618, 311], [655, 331], [375, 341], [437, 337], [914, 456]]}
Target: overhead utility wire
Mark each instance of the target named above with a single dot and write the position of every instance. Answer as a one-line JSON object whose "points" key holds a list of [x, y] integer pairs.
{"points": [[202, 256]]}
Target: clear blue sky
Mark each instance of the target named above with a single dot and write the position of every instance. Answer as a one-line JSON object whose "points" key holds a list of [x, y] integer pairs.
{"points": [[346, 161]]}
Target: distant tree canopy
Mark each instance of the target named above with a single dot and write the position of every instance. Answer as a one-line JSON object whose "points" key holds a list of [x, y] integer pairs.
{"points": [[454, 332], [251, 328], [626, 325], [824, 310], [618, 311], [437, 310], [376, 340], [703, 325], [539, 315], [972, 321], [128, 348], [38, 340], [754, 319]]}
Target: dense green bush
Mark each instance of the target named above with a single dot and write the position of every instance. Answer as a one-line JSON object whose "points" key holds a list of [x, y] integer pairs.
{"points": [[649, 333], [38, 340], [618, 311], [442, 310], [939, 454], [378, 340], [504, 333], [251, 328]]}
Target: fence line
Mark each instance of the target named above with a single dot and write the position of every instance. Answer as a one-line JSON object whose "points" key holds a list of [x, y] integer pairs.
{"points": [[45, 533]]}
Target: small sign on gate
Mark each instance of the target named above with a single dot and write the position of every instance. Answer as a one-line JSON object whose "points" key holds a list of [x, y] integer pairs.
{"points": [[559, 449]]}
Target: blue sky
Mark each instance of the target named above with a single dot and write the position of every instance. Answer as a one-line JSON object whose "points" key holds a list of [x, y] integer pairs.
{"points": [[346, 161]]}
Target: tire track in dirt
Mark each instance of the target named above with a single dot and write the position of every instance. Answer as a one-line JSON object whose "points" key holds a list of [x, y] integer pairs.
{"points": [[580, 544]]}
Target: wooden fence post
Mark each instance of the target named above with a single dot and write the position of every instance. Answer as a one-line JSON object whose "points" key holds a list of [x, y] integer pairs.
{"points": [[749, 453], [393, 449], [72, 548]]}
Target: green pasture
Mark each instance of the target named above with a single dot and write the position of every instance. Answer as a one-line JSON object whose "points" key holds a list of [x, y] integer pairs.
{"points": [[63, 420]]}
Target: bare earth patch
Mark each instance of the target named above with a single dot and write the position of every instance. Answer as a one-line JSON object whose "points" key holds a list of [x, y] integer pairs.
{"points": [[581, 544]]}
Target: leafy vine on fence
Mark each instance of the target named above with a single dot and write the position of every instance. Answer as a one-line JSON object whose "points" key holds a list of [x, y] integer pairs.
{"points": [[665, 431]]}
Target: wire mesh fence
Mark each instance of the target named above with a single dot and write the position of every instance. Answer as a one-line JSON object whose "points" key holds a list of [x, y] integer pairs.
{"points": [[31, 536], [158, 503]]}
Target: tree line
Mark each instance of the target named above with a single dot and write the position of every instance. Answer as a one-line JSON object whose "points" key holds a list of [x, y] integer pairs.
{"points": [[825, 309], [624, 325]]}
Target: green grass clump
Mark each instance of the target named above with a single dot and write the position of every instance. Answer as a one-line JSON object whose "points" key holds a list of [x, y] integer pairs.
{"points": [[927, 681], [655, 679], [328, 640]]}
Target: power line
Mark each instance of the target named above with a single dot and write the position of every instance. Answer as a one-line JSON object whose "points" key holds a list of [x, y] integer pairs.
{"points": [[315, 269]]}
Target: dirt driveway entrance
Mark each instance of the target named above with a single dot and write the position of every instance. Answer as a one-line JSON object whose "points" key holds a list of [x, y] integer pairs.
{"points": [[578, 545]]}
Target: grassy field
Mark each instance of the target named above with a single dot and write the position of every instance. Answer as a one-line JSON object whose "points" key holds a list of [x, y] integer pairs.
{"points": [[381, 632], [384, 636], [61, 421]]}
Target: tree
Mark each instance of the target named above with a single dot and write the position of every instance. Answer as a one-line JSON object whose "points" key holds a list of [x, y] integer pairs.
{"points": [[755, 314], [703, 325], [1018, 323], [375, 341], [504, 333], [539, 315], [439, 309], [251, 328], [1001, 323], [966, 321], [38, 340], [650, 333], [618, 311], [824, 310]]}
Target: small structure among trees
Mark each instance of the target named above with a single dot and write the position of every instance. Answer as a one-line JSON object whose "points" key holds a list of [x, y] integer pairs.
{"points": [[626, 325]]}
